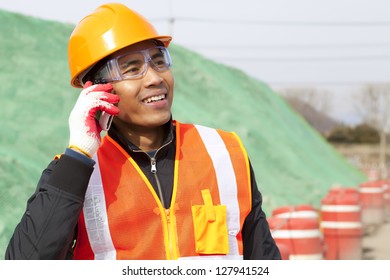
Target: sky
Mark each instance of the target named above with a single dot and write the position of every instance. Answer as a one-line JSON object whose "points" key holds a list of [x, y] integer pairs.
{"points": [[335, 47]]}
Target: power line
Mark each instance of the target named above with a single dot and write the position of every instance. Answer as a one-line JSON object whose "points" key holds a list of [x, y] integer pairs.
{"points": [[281, 23], [325, 83], [284, 59], [296, 46]]}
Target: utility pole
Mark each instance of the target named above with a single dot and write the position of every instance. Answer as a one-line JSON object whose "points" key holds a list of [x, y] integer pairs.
{"points": [[382, 154], [171, 18], [383, 117]]}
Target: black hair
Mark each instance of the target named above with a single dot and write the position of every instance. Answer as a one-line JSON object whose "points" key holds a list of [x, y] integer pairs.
{"points": [[91, 74]]}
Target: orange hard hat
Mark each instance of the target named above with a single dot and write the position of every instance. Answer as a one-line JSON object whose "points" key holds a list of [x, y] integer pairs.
{"points": [[109, 28]]}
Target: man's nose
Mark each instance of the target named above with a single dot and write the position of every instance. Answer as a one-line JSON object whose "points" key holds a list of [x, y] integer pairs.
{"points": [[152, 76]]}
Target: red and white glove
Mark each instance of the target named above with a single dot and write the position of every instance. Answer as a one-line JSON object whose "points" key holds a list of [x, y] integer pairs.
{"points": [[83, 126]]}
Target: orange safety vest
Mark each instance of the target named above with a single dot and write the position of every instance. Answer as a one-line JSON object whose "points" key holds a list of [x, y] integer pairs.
{"points": [[210, 201]]}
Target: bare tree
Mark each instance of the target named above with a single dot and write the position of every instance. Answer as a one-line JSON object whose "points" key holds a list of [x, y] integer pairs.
{"points": [[312, 104], [374, 105], [307, 96]]}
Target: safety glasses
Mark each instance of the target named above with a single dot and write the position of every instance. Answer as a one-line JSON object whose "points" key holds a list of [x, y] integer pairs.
{"points": [[132, 65]]}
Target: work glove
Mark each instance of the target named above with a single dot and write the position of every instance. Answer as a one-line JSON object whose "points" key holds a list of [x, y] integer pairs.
{"points": [[83, 126]]}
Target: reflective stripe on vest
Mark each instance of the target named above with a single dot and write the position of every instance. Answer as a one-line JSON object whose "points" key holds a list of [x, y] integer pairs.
{"points": [[95, 216], [226, 178], [125, 219]]}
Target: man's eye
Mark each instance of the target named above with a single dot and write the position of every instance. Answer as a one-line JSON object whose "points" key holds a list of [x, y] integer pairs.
{"points": [[159, 61], [132, 68]]}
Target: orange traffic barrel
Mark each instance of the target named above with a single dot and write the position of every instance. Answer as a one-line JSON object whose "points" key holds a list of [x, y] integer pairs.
{"points": [[341, 224], [296, 211], [301, 236], [386, 196], [373, 203]]}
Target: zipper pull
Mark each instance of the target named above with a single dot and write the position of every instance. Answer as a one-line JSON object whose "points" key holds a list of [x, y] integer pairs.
{"points": [[153, 165]]}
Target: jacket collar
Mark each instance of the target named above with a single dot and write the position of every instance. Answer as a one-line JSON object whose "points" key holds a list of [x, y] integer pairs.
{"points": [[169, 136]]}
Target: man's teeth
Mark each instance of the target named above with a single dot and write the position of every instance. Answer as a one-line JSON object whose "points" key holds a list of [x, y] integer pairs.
{"points": [[154, 98]]}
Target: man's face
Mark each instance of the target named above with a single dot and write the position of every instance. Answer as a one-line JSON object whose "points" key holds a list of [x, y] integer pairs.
{"points": [[145, 102]]}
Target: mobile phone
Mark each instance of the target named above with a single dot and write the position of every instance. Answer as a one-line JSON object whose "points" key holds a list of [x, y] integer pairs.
{"points": [[104, 119]]}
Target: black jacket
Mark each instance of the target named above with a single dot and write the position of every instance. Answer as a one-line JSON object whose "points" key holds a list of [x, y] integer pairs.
{"points": [[48, 227]]}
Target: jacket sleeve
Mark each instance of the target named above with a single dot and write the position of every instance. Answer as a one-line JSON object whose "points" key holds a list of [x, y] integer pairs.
{"points": [[257, 239], [47, 227]]}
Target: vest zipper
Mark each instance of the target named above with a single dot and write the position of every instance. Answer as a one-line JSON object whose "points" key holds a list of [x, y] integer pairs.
{"points": [[153, 170], [167, 210]]}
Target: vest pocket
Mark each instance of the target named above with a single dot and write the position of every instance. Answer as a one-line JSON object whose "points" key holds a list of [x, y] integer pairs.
{"points": [[210, 228]]}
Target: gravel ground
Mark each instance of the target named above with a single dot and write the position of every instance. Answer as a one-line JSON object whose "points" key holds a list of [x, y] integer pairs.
{"points": [[376, 242]]}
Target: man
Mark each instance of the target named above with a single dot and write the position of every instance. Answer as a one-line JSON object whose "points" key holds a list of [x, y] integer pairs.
{"points": [[152, 188]]}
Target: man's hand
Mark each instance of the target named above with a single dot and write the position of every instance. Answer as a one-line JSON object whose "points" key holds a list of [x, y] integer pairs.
{"points": [[84, 128]]}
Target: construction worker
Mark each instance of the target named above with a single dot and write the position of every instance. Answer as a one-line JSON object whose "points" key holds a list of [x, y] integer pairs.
{"points": [[151, 187]]}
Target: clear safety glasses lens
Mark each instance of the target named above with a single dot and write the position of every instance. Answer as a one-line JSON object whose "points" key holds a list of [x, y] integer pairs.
{"points": [[133, 65]]}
